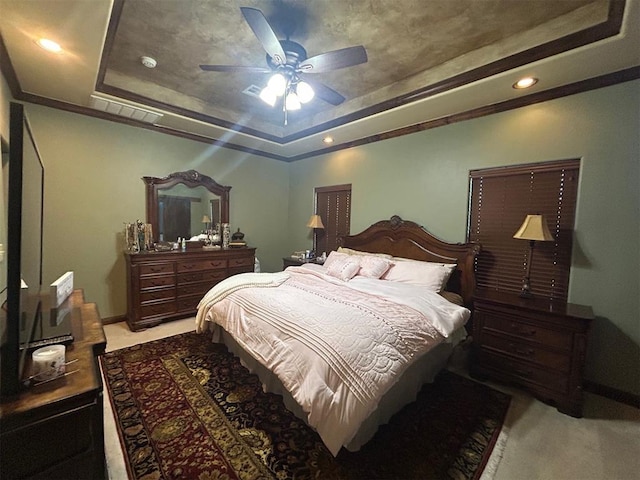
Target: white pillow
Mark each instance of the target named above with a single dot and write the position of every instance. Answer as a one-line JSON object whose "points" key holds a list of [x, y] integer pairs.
{"points": [[342, 266], [372, 266], [431, 275], [351, 251]]}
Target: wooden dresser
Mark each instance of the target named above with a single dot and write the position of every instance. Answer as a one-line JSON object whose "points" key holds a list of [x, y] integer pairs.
{"points": [[168, 285], [56, 430], [534, 343]]}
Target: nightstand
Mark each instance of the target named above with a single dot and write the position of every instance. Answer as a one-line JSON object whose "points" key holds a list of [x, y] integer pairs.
{"points": [[534, 343], [296, 262]]}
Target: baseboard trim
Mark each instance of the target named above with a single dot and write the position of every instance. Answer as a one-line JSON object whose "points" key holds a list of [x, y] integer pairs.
{"points": [[611, 393], [111, 320]]}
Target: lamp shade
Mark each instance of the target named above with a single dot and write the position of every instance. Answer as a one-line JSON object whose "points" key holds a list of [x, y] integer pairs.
{"points": [[206, 219], [315, 222], [534, 227]]}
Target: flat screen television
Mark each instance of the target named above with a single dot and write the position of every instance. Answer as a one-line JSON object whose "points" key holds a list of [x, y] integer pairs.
{"points": [[21, 318]]}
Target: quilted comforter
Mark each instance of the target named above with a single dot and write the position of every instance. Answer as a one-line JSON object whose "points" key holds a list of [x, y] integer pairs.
{"points": [[336, 346]]}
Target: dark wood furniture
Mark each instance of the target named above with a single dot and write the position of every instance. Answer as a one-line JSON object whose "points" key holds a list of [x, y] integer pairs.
{"points": [[168, 285], [55, 430], [535, 343], [193, 180], [296, 262], [406, 239]]}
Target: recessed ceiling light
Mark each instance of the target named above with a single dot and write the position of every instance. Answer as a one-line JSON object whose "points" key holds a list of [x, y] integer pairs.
{"points": [[525, 83], [49, 45], [327, 140]]}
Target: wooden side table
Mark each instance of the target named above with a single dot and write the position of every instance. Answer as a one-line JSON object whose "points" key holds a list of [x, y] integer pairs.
{"points": [[55, 430], [534, 343]]}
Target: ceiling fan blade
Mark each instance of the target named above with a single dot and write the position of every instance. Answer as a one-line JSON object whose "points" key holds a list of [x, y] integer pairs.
{"points": [[325, 93], [265, 34], [234, 68], [334, 60]]}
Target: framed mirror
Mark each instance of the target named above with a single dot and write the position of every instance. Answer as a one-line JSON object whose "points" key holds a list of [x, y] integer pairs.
{"points": [[178, 203]]}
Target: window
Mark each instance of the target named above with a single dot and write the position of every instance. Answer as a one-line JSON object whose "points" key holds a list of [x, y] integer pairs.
{"points": [[333, 204], [500, 200]]}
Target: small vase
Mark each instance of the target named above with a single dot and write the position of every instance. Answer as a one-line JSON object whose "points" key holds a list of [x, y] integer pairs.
{"points": [[226, 235]]}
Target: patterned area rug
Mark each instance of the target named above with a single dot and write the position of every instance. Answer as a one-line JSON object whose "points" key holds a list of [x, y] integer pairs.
{"points": [[187, 408]]}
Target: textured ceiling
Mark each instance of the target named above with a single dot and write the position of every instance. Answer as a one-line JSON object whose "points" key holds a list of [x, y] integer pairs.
{"points": [[408, 42], [428, 61]]}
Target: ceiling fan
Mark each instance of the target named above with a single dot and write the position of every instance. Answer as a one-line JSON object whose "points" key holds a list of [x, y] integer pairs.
{"points": [[287, 62]]}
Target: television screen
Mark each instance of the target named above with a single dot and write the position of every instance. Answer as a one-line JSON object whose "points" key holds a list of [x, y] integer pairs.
{"points": [[21, 273]]}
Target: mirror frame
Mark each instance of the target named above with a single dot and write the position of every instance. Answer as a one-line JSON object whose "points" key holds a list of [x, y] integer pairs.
{"points": [[191, 179]]}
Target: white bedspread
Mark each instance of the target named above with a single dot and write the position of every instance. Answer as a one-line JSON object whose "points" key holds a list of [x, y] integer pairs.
{"points": [[336, 346]]}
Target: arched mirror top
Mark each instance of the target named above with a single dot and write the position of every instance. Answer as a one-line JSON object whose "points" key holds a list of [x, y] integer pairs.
{"points": [[170, 198]]}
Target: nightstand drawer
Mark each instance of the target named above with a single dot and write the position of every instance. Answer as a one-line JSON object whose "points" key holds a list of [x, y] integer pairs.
{"points": [[526, 351], [513, 325], [521, 371]]}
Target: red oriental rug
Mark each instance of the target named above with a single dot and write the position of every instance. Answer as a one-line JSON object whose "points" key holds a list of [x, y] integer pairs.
{"points": [[186, 408]]}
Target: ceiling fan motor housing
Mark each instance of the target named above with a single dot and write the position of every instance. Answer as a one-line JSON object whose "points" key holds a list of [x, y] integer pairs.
{"points": [[295, 54]]}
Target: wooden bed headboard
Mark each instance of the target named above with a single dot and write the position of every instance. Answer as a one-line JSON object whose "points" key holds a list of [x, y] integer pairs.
{"points": [[402, 238]]}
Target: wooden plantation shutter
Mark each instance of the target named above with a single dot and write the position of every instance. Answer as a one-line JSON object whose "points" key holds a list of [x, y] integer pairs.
{"points": [[500, 200], [333, 204]]}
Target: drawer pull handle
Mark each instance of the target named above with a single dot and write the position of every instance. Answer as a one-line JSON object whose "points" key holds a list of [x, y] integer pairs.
{"points": [[521, 351], [529, 332]]}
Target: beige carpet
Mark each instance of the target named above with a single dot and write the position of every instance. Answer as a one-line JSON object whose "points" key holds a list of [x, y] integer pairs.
{"points": [[541, 442]]}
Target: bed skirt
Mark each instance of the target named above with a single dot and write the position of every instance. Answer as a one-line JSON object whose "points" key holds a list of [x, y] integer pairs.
{"points": [[403, 392]]}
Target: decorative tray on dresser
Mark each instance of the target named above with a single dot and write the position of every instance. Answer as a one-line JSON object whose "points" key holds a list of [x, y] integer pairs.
{"points": [[535, 343], [168, 285]]}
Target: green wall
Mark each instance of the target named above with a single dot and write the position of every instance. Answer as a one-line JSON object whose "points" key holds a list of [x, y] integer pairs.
{"points": [[93, 186], [93, 171], [424, 177]]}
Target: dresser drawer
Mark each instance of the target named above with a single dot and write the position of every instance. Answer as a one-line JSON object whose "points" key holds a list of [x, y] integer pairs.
{"points": [[188, 304], [514, 325], [157, 295], [194, 289], [156, 269], [196, 265], [526, 351], [241, 262], [159, 308], [155, 282], [211, 276], [521, 371]]}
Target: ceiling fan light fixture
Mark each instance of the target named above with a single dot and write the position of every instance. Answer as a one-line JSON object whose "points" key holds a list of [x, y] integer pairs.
{"points": [[305, 92], [277, 84], [292, 102], [268, 96]]}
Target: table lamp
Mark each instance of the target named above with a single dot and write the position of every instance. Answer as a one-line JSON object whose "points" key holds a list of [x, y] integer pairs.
{"points": [[534, 228]]}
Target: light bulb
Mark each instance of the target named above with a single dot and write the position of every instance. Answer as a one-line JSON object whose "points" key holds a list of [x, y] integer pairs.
{"points": [[305, 92], [278, 84], [292, 102], [268, 97], [49, 45]]}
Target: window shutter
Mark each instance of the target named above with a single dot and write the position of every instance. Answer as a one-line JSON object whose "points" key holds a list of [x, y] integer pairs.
{"points": [[333, 204], [500, 200]]}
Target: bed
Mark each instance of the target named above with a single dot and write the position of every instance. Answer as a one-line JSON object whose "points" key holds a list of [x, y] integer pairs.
{"points": [[347, 350]]}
